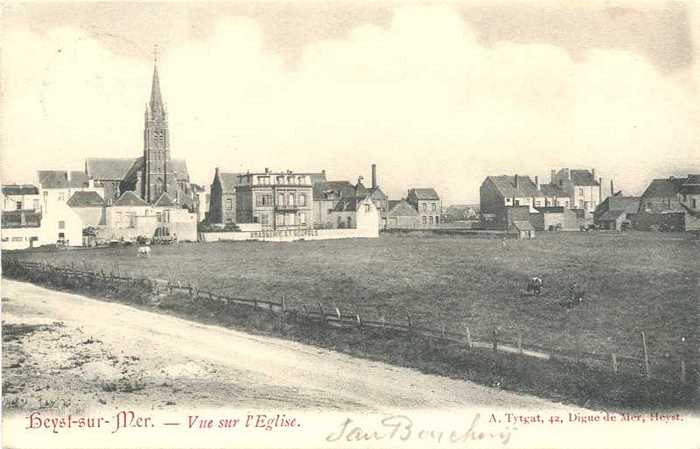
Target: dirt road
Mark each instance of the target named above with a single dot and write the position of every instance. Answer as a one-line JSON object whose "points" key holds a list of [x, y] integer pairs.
{"points": [[70, 352]]}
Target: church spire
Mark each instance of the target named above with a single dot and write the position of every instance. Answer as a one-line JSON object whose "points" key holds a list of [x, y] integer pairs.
{"points": [[156, 103]]}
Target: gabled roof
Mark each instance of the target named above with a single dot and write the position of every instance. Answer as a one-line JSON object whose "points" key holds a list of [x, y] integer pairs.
{"points": [[553, 190], [229, 181], [348, 205], [136, 166], [20, 189], [165, 200], [129, 198], [109, 169], [623, 203], [401, 208], [426, 193], [377, 194], [58, 179], [506, 186], [86, 199], [662, 188], [583, 178], [337, 189]]}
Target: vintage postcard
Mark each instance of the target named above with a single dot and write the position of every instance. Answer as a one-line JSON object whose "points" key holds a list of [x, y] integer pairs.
{"points": [[350, 224]]}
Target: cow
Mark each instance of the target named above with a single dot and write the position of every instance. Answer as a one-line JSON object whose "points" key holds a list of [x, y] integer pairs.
{"points": [[144, 251], [535, 285], [575, 297]]}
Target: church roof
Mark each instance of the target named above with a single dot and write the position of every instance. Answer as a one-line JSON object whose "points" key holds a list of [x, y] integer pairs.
{"points": [[129, 198], [165, 200], [109, 169], [179, 166], [61, 179], [156, 104]]}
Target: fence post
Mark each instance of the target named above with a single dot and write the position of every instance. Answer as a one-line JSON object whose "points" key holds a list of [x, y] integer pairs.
{"points": [[323, 314], [495, 339], [683, 375], [614, 363], [284, 305], [469, 339], [520, 343], [646, 355]]}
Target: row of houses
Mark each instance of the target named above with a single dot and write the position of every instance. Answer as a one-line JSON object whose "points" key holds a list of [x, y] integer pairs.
{"points": [[289, 200], [67, 209], [574, 199]]}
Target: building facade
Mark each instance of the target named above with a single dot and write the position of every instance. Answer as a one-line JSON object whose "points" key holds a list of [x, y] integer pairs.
{"points": [[275, 200], [402, 215], [427, 203], [500, 195], [670, 204]]}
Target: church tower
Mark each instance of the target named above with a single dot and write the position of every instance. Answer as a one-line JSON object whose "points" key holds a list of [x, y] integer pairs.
{"points": [[158, 175]]}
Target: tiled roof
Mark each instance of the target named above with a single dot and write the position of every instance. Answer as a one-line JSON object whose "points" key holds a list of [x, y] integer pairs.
{"points": [[338, 189], [13, 219], [623, 203], [425, 193], [583, 178], [111, 169], [347, 205], [86, 199], [129, 198], [58, 179], [20, 189], [401, 208], [165, 200], [376, 193], [667, 187], [229, 181], [552, 190], [506, 186]]}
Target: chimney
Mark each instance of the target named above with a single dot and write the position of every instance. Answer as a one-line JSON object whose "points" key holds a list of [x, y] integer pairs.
{"points": [[593, 173], [374, 176], [537, 182], [216, 172], [323, 172], [516, 180], [553, 175], [612, 188], [267, 170]]}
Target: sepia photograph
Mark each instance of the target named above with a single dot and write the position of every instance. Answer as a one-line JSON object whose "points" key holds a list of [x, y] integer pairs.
{"points": [[350, 224]]}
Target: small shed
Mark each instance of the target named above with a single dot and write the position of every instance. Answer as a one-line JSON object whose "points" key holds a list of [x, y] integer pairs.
{"points": [[523, 229]]}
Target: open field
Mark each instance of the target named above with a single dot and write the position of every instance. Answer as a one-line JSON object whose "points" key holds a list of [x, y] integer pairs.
{"points": [[634, 282]]}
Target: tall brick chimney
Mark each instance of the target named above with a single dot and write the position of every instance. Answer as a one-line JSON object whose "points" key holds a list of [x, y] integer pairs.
{"points": [[612, 188], [516, 180], [537, 182], [374, 176]]}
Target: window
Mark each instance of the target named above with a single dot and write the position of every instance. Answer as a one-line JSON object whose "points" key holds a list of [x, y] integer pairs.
{"points": [[17, 239], [300, 180], [302, 200], [263, 219], [229, 204], [291, 199], [61, 235], [431, 219], [18, 205], [694, 203], [516, 202], [368, 208], [35, 204], [159, 217], [425, 219], [340, 222], [434, 207], [290, 179], [279, 219], [580, 191], [349, 222], [280, 199], [302, 218], [61, 225], [280, 180]]}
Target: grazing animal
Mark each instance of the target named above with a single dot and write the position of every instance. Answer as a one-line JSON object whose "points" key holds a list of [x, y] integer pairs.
{"points": [[576, 294], [535, 285], [144, 251]]}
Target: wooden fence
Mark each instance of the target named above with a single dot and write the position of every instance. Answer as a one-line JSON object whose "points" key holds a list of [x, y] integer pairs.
{"points": [[674, 369]]}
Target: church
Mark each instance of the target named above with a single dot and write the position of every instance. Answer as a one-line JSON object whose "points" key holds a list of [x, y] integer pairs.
{"points": [[152, 175]]}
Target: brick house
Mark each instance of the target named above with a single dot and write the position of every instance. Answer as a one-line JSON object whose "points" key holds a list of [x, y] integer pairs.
{"points": [[326, 196], [222, 198], [427, 202], [504, 199], [616, 212], [667, 204]]}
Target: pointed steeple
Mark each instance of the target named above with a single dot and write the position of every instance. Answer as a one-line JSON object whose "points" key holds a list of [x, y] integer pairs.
{"points": [[156, 103]]}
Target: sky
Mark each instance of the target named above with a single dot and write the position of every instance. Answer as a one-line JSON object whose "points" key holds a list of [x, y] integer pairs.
{"points": [[436, 94]]}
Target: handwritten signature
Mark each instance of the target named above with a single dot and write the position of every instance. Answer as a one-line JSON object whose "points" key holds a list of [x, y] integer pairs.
{"points": [[402, 428]]}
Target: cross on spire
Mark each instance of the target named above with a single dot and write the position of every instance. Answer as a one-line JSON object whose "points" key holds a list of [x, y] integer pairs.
{"points": [[155, 53]]}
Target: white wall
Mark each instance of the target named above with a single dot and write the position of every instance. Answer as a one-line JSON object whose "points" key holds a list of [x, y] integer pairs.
{"points": [[61, 219], [19, 238]]}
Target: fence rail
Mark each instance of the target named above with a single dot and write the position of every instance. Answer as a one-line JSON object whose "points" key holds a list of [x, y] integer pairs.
{"points": [[665, 368]]}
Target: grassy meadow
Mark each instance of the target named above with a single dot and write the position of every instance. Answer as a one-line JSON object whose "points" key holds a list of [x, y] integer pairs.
{"points": [[633, 282]]}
